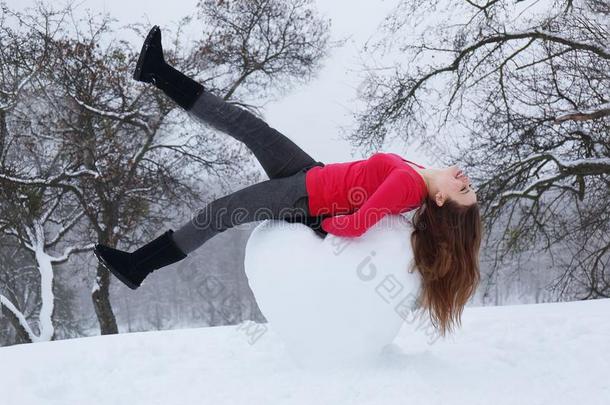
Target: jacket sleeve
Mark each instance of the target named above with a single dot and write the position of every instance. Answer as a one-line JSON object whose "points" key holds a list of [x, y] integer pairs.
{"points": [[394, 195]]}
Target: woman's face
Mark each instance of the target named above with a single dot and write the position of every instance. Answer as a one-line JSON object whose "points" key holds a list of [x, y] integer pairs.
{"points": [[452, 183]]}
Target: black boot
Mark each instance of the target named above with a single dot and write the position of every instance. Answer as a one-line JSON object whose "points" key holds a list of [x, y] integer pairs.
{"points": [[132, 268], [152, 68]]}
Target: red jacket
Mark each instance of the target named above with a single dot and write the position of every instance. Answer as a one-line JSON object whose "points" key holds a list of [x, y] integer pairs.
{"points": [[359, 193]]}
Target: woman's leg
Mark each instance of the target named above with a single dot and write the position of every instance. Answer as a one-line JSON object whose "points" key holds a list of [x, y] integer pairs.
{"points": [[278, 155], [280, 198]]}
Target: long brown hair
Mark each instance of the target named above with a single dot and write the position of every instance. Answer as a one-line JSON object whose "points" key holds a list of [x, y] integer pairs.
{"points": [[446, 242]]}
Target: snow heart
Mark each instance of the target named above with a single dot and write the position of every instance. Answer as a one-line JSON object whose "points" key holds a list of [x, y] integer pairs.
{"points": [[335, 299]]}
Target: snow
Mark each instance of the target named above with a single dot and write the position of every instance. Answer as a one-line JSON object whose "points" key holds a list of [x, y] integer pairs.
{"points": [[555, 353], [573, 163], [45, 268], [582, 162], [331, 339], [333, 300], [20, 318]]}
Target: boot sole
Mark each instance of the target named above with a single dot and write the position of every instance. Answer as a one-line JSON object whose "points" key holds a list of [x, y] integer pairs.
{"points": [[118, 275], [137, 74]]}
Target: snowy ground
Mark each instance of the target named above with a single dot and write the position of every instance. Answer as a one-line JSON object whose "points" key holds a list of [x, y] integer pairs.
{"points": [[521, 354]]}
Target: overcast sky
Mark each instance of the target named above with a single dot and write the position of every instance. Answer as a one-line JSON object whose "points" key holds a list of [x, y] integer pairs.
{"points": [[311, 114]]}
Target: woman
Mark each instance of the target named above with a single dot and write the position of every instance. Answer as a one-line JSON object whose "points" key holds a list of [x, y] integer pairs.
{"points": [[344, 199]]}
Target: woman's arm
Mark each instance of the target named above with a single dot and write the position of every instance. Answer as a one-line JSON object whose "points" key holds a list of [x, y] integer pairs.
{"points": [[393, 196]]}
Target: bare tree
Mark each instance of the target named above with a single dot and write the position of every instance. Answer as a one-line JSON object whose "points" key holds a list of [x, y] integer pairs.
{"points": [[522, 90], [125, 158], [17, 276], [34, 214], [259, 46], [38, 216]]}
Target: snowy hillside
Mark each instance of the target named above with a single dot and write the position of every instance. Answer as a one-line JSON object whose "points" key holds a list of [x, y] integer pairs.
{"points": [[524, 354]]}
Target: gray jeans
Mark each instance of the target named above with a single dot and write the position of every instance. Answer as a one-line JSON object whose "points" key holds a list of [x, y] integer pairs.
{"points": [[283, 196]]}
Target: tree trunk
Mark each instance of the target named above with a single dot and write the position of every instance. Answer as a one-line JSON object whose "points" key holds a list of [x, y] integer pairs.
{"points": [[101, 303]]}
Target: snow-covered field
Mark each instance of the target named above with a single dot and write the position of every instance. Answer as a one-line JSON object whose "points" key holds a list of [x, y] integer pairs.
{"points": [[520, 354]]}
